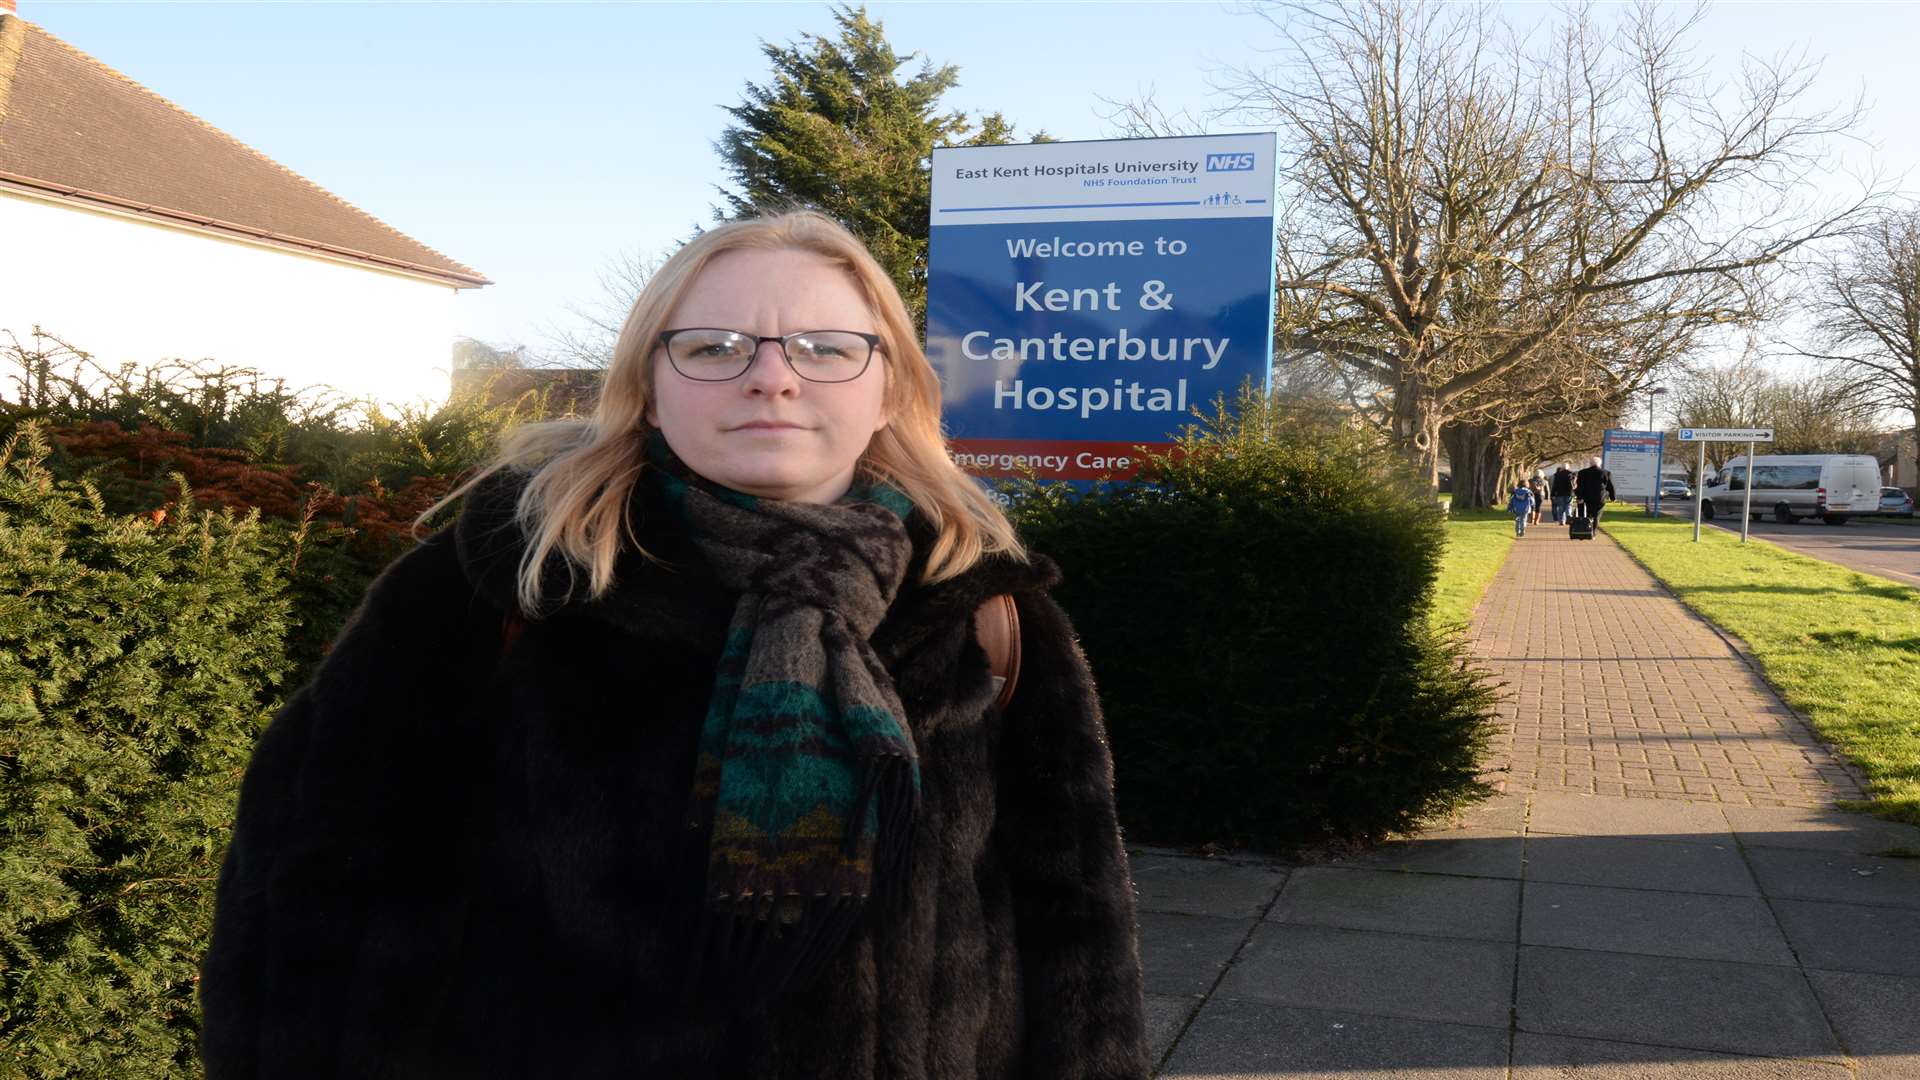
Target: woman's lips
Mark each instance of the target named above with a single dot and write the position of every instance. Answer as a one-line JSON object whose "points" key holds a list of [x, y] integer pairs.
{"points": [[767, 425]]}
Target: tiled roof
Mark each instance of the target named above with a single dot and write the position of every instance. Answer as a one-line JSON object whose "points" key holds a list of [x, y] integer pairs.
{"points": [[74, 128]]}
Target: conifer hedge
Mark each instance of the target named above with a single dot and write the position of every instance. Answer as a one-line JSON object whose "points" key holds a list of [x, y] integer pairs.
{"points": [[139, 657], [177, 545], [1254, 606]]}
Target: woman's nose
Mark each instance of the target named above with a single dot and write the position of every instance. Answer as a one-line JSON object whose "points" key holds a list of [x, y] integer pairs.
{"points": [[769, 372]]}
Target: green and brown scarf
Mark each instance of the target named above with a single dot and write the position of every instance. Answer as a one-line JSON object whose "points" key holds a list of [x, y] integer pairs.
{"points": [[807, 771]]}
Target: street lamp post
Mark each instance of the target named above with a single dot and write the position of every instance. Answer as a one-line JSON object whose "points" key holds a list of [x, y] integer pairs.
{"points": [[1653, 501]]}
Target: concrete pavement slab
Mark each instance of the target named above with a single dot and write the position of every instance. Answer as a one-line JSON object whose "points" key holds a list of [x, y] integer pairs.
{"points": [[1166, 1015], [1752, 1009], [1501, 813], [1694, 925], [1184, 954], [1603, 815], [1877, 1018], [1552, 1057], [1628, 862], [1467, 852], [1421, 978], [1819, 830], [1247, 1040], [1837, 875], [1435, 904], [1200, 886], [1852, 937]]}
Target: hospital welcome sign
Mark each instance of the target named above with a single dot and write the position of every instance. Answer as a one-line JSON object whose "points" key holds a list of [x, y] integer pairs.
{"points": [[1083, 297]]}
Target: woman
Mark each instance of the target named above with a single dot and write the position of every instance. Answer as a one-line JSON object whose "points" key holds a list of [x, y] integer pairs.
{"points": [[733, 801]]}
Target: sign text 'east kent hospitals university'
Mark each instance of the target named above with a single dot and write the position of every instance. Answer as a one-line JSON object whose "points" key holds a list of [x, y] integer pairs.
{"points": [[1083, 297]]}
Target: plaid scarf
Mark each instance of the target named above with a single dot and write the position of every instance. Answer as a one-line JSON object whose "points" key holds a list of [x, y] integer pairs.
{"points": [[806, 772]]}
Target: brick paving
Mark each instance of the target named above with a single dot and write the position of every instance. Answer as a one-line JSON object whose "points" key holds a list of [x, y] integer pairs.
{"points": [[1614, 688]]}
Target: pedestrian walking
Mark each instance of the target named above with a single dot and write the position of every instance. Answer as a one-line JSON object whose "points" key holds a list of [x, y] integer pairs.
{"points": [[1537, 484], [1520, 505], [1594, 486], [1560, 488], [679, 754]]}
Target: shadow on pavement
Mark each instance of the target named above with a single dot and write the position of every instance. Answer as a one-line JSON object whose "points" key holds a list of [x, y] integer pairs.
{"points": [[1620, 937]]}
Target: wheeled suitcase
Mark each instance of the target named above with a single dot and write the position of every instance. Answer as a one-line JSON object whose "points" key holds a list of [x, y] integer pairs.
{"points": [[1580, 527]]}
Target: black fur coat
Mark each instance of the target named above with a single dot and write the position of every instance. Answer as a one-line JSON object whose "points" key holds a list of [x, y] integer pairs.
{"points": [[449, 864]]}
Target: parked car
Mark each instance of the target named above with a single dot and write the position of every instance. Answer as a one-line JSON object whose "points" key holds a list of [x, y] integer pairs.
{"points": [[1675, 489], [1896, 502], [1831, 487]]}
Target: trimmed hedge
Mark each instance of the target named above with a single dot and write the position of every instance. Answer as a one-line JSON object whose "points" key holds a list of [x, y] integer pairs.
{"points": [[1255, 608], [139, 660], [337, 483]]}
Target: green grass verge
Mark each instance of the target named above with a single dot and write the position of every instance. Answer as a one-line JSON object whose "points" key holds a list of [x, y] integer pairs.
{"points": [[1477, 543], [1842, 647]]}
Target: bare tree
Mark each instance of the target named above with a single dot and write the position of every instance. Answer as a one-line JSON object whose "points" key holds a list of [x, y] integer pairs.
{"points": [[1867, 311], [1820, 411], [1468, 218], [1142, 117], [1564, 397], [589, 344]]}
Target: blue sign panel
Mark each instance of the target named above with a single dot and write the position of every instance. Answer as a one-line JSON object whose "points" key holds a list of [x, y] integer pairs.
{"points": [[1082, 298]]}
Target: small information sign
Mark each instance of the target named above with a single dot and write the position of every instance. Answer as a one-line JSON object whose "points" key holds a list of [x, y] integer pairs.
{"points": [[1633, 457]]}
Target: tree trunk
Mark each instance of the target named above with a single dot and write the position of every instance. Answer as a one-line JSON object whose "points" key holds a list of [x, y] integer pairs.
{"points": [[1416, 430], [1480, 470]]}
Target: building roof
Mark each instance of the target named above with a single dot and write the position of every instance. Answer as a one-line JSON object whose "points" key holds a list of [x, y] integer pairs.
{"points": [[74, 129]]}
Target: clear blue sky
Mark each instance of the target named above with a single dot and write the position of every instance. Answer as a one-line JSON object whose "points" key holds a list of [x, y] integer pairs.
{"points": [[537, 141]]}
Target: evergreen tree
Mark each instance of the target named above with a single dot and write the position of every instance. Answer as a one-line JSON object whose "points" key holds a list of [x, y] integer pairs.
{"points": [[838, 130]]}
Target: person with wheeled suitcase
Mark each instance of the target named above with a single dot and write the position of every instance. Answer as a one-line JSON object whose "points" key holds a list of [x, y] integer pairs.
{"points": [[1594, 486]]}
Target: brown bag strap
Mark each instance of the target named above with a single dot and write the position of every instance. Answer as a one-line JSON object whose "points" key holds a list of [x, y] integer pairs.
{"points": [[997, 622], [510, 626]]}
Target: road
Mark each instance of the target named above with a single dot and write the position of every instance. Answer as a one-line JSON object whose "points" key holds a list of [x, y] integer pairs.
{"points": [[1874, 547]]}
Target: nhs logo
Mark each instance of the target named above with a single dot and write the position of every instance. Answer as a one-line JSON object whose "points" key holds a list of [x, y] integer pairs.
{"points": [[1229, 162]]}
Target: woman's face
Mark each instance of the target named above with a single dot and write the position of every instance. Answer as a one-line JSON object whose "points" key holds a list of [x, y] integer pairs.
{"points": [[769, 432]]}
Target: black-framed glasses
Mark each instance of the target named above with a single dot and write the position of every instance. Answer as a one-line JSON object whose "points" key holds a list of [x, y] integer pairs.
{"points": [[715, 354]]}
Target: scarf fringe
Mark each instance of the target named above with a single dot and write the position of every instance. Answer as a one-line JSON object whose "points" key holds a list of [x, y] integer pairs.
{"points": [[745, 959], [747, 955]]}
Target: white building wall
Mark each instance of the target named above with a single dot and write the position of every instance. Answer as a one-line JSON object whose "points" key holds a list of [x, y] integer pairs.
{"points": [[130, 290]]}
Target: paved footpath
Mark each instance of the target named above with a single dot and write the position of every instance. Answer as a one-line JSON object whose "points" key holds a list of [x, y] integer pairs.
{"points": [[1618, 689], [1662, 891]]}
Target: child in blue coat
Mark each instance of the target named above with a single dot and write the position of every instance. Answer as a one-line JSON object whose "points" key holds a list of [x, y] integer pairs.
{"points": [[1520, 505]]}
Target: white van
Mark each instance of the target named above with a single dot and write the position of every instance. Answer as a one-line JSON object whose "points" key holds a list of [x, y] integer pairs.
{"points": [[1831, 487]]}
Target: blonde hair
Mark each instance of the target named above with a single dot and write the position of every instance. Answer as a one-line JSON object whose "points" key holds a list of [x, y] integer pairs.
{"points": [[583, 472]]}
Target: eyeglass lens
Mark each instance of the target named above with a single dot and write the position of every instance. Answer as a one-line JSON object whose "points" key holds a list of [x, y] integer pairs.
{"points": [[714, 355]]}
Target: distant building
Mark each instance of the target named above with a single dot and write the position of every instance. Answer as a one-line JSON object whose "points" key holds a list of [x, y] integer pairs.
{"points": [[1898, 467], [137, 232]]}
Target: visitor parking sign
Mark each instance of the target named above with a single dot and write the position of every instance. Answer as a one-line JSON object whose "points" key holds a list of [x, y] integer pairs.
{"points": [[1082, 298]]}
